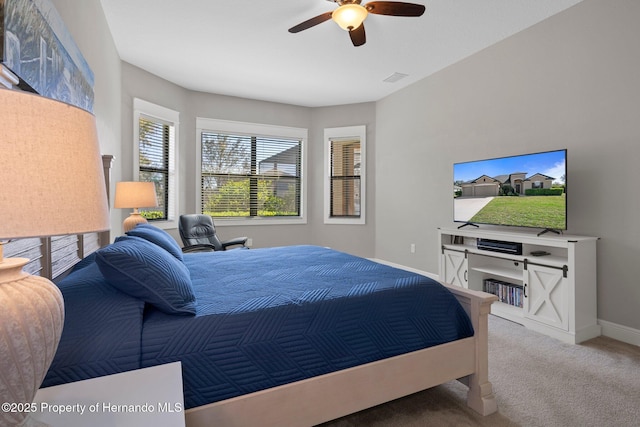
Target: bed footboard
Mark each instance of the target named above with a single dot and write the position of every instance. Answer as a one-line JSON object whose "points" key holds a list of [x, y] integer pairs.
{"points": [[480, 396], [330, 396]]}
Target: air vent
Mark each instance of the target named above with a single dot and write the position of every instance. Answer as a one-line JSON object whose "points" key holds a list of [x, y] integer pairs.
{"points": [[395, 77]]}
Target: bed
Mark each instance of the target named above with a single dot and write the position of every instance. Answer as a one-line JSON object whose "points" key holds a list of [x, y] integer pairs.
{"points": [[294, 335]]}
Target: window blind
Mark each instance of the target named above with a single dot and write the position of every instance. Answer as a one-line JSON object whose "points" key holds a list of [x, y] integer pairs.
{"points": [[250, 175], [345, 178], [154, 150]]}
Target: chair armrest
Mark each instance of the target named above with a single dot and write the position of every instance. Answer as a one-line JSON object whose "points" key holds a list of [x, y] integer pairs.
{"points": [[201, 247], [235, 241]]}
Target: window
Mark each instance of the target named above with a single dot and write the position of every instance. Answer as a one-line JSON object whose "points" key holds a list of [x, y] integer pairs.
{"points": [[345, 175], [155, 158], [251, 171]]}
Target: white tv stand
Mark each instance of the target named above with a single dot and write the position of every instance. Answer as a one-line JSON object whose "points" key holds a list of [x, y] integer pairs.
{"points": [[554, 294]]}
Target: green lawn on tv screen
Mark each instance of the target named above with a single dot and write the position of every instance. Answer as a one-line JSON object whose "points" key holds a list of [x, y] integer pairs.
{"points": [[524, 211]]}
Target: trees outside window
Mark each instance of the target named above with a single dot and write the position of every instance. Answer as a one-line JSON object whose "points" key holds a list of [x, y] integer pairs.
{"points": [[250, 174]]}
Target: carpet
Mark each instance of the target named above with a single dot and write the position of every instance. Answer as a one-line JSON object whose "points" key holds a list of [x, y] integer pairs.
{"points": [[537, 380]]}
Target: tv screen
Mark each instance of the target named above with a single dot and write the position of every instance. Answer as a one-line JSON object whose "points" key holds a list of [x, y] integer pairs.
{"points": [[528, 190]]}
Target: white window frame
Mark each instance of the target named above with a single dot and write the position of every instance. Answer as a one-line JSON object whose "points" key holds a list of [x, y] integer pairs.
{"points": [[144, 108], [355, 132], [245, 128]]}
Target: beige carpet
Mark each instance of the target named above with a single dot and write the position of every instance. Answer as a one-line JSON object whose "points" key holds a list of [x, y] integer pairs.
{"points": [[537, 380]]}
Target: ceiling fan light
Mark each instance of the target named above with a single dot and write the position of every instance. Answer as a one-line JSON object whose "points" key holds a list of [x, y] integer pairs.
{"points": [[349, 16]]}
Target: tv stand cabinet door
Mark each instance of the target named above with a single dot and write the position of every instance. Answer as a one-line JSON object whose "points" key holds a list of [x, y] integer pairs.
{"points": [[455, 268], [546, 301]]}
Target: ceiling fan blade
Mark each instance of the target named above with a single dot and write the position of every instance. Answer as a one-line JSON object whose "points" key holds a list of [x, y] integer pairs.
{"points": [[395, 8], [358, 37], [311, 22]]}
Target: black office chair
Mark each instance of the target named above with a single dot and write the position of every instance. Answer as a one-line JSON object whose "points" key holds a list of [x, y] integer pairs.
{"points": [[198, 234]]}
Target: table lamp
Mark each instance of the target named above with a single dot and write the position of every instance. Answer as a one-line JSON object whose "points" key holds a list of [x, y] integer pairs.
{"points": [[134, 195], [51, 183]]}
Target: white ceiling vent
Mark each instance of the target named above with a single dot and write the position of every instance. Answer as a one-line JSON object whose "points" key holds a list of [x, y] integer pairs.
{"points": [[395, 77]]}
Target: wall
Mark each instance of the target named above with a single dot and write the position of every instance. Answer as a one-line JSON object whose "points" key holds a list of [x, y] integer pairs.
{"points": [[356, 239], [86, 22], [141, 84], [568, 82], [137, 83], [245, 110]]}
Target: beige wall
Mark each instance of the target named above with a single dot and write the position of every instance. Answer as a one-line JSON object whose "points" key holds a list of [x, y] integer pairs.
{"points": [[571, 82]]}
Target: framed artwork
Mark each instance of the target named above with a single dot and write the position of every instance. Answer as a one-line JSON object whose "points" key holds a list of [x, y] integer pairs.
{"points": [[37, 48]]}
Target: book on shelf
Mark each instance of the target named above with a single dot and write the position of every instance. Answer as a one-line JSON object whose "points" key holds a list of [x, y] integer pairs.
{"points": [[508, 293]]}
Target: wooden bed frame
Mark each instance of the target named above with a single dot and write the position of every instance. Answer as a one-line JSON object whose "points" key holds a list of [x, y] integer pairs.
{"points": [[334, 395]]}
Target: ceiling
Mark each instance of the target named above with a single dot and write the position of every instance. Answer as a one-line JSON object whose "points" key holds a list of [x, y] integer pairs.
{"points": [[242, 47]]}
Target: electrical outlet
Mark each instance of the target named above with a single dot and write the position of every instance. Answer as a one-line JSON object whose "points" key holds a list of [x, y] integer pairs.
{"points": [[412, 248], [249, 242]]}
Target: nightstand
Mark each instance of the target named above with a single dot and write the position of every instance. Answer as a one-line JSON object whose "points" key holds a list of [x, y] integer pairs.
{"points": [[145, 397]]}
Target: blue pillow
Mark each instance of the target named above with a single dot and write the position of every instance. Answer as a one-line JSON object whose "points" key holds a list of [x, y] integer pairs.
{"points": [[144, 270], [157, 236]]}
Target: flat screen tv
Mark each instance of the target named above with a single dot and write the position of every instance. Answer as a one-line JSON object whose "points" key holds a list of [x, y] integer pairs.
{"points": [[528, 190]]}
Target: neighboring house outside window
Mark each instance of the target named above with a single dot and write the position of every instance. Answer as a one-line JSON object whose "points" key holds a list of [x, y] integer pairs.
{"points": [[345, 163], [155, 158], [251, 172]]}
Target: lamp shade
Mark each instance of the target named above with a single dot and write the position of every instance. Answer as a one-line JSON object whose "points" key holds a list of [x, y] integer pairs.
{"points": [[51, 183], [135, 194], [51, 177], [349, 16]]}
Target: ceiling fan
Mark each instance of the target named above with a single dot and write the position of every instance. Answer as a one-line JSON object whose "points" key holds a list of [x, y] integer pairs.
{"points": [[350, 15]]}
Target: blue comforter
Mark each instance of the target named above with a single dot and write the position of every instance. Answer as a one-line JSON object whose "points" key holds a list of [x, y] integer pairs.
{"points": [[267, 317]]}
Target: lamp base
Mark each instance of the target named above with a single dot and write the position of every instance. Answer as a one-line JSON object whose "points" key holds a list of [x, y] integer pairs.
{"points": [[133, 220], [31, 323]]}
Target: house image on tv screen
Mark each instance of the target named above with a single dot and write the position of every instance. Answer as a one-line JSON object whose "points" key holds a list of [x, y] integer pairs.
{"points": [[512, 184]]}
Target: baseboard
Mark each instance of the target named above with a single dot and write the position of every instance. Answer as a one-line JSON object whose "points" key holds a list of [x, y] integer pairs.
{"points": [[620, 332], [609, 329], [404, 267]]}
